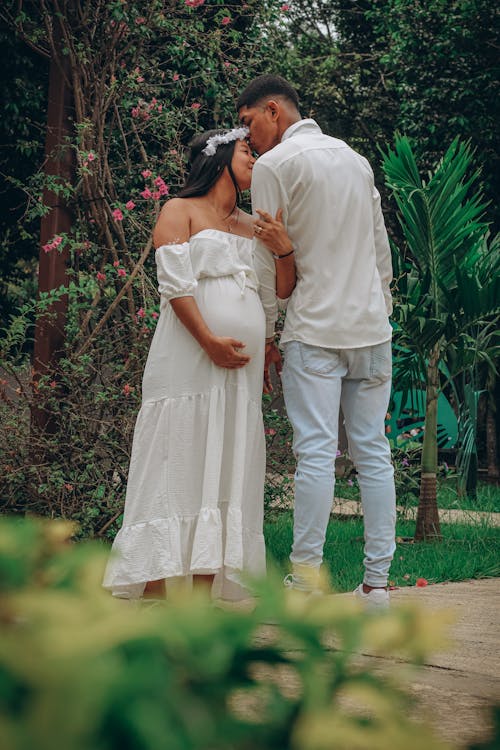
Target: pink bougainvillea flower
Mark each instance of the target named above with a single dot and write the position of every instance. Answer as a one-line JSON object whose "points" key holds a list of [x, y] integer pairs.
{"points": [[163, 189], [121, 272], [130, 205], [146, 173], [175, 77], [127, 389], [195, 105], [68, 486], [141, 313], [160, 107], [140, 79], [100, 276], [47, 248], [285, 7], [154, 315], [226, 20], [53, 384], [421, 582], [156, 195], [140, 20], [270, 431], [117, 215], [91, 156], [135, 111], [194, 3], [116, 263], [146, 194], [57, 241], [159, 181], [227, 64]]}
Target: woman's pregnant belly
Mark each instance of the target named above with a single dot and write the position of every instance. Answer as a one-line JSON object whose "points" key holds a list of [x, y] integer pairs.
{"points": [[229, 312], [177, 365]]}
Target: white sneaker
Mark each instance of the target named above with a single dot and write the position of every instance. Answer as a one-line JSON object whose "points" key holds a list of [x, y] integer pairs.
{"points": [[375, 599]]}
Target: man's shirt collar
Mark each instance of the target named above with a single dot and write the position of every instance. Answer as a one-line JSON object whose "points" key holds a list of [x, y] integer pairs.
{"points": [[306, 124]]}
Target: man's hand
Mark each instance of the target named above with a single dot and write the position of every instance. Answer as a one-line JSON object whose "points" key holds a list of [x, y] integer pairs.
{"points": [[272, 232], [272, 357], [224, 352]]}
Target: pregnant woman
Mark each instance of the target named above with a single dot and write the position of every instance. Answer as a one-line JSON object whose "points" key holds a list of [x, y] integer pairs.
{"points": [[194, 503]]}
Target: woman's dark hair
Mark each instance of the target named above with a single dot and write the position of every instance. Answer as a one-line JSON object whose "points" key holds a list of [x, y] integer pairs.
{"points": [[204, 171], [265, 86]]}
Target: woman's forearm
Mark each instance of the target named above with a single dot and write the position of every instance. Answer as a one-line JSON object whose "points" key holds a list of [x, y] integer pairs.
{"points": [[190, 316]]}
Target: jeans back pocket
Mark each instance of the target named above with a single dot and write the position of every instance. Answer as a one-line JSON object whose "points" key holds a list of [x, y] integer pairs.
{"points": [[319, 360]]}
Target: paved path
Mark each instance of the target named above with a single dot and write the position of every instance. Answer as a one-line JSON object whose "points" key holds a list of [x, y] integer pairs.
{"points": [[342, 507], [456, 689], [446, 515]]}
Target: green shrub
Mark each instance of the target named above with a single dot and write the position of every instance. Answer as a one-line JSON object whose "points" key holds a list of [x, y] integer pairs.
{"points": [[82, 671]]}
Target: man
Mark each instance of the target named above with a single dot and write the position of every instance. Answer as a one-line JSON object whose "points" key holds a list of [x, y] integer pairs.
{"points": [[337, 335]]}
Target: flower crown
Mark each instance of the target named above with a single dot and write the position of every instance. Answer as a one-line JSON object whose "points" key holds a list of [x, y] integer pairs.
{"points": [[236, 134]]}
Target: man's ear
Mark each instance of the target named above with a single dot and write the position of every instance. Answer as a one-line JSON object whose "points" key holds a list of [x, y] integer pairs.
{"points": [[274, 109]]}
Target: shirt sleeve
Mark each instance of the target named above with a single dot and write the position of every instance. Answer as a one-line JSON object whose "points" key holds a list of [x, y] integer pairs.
{"points": [[382, 250], [268, 195], [174, 271]]}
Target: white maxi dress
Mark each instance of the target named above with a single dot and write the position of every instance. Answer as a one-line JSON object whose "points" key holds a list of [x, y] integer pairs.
{"points": [[194, 501]]}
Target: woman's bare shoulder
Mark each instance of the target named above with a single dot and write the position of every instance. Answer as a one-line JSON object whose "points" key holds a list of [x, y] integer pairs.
{"points": [[174, 222]]}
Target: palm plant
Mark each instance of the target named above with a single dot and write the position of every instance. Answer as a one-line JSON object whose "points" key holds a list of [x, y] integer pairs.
{"points": [[448, 286]]}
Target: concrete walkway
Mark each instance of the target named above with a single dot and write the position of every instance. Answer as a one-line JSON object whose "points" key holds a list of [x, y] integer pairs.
{"points": [[457, 688], [446, 515]]}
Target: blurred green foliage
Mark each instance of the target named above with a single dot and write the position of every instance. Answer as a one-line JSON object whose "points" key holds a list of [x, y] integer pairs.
{"points": [[83, 671]]}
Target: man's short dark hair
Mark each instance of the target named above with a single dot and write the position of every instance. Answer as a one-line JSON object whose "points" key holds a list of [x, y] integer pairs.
{"points": [[267, 86]]}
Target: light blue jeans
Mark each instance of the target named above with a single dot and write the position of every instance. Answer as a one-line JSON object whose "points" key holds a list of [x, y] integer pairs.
{"points": [[316, 383]]}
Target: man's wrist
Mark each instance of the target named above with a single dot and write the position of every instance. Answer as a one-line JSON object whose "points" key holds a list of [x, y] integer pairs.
{"points": [[284, 255]]}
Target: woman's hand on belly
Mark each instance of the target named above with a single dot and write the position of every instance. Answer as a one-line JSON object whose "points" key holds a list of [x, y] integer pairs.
{"points": [[224, 352]]}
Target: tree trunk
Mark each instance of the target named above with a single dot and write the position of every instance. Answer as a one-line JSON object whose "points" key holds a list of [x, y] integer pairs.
{"points": [[491, 432], [50, 325], [427, 515]]}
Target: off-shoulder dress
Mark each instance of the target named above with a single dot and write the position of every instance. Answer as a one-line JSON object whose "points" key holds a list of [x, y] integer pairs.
{"points": [[194, 501]]}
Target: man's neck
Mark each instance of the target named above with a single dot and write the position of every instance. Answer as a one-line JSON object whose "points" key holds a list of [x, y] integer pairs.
{"points": [[287, 122]]}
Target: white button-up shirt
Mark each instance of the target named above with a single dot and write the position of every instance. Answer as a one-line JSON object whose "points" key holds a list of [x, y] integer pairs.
{"points": [[331, 210]]}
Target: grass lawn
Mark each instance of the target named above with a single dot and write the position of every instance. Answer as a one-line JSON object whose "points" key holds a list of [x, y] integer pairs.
{"points": [[467, 551]]}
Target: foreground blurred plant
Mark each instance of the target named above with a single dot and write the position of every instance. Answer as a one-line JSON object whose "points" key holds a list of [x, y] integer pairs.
{"points": [[81, 670]]}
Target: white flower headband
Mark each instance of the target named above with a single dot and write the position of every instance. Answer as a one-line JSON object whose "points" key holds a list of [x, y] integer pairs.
{"points": [[236, 134]]}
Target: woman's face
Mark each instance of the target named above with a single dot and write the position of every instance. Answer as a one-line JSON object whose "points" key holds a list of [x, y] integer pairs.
{"points": [[242, 164]]}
